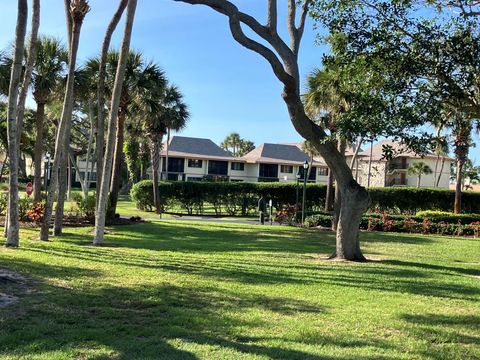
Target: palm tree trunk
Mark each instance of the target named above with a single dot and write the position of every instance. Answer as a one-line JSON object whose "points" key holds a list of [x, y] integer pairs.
{"points": [[355, 154], [100, 127], [435, 171], [155, 142], [166, 153], [62, 191], [32, 51], [12, 224], [117, 166], [458, 188], [79, 9], [441, 170], [38, 156], [330, 196], [117, 93], [419, 179]]}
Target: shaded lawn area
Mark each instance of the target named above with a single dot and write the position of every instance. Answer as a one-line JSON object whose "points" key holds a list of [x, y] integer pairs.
{"points": [[185, 290]]}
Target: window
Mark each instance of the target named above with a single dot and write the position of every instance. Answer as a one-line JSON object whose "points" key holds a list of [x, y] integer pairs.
{"points": [[175, 165], [217, 167], [268, 171], [323, 171], [286, 169], [195, 163], [238, 166], [194, 178], [313, 173]]}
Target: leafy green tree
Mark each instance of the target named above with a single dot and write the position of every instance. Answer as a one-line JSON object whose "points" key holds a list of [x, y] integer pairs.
{"points": [[236, 145], [418, 169]]}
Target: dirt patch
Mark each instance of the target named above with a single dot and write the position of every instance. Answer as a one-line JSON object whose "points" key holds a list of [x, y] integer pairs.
{"points": [[12, 284]]}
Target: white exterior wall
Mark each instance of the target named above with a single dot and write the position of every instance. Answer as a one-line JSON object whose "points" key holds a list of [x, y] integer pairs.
{"points": [[430, 179]]}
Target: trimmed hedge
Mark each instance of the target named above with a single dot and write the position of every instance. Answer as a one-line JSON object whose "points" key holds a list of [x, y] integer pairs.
{"points": [[448, 217], [224, 197], [242, 198], [409, 200], [407, 224]]}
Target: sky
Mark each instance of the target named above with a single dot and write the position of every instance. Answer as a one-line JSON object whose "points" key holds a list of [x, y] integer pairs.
{"points": [[227, 87]]}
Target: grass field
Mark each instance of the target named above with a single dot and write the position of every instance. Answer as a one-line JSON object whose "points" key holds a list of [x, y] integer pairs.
{"points": [[181, 290]]}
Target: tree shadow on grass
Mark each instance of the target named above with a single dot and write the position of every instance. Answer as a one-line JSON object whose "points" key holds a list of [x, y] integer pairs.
{"points": [[162, 321], [393, 276], [454, 336]]}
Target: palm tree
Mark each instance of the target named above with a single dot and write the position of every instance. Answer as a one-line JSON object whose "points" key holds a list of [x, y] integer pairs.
{"points": [[326, 100], [11, 223], [77, 10], [142, 80], [419, 168], [49, 66], [234, 142], [100, 215]]}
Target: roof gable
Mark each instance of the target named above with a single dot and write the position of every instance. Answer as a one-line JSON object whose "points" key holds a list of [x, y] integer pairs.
{"points": [[195, 146]]}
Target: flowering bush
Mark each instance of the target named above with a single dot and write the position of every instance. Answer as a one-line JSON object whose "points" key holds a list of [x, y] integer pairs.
{"points": [[35, 213]]}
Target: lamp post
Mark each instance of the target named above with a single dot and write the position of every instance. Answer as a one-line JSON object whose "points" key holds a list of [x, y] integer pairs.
{"points": [[296, 197], [305, 168]]}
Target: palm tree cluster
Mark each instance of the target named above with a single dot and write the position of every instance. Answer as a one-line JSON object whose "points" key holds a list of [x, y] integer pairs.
{"points": [[68, 120], [236, 145]]}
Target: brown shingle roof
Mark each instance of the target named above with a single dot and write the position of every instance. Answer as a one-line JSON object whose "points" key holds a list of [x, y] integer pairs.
{"points": [[278, 153]]}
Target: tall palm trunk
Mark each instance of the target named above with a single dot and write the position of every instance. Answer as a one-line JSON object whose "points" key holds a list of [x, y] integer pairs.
{"points": [[78, 10], [437, 160], [38, 156], [419, 179], [441, 170], [117, 165], [12, 224], [32, 51], [116, 95], [458, 187], [100, 126], [155, 142], [330, 196]]}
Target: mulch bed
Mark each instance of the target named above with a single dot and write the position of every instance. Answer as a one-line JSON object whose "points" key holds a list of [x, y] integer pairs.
{"points": [[71, 220]]}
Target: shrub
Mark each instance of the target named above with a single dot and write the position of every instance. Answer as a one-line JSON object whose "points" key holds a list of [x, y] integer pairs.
{"points": [[287, 215], [142, 194], [24, 205], [437, 216], [319, 220], [36, 212], [85, 207]]}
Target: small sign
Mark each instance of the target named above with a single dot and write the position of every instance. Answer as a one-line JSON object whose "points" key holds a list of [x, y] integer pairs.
{"points": [[29, 188]]}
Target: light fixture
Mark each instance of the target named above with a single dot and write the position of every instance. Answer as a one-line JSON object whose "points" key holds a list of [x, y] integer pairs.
{"points": [[305, 165]]}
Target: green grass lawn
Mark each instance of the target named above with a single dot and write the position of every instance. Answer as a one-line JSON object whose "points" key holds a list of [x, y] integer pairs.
{"points": [[184, 290]]}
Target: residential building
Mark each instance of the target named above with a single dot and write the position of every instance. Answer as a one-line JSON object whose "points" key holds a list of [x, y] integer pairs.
{"points": [[194, 159], [394, 171]]}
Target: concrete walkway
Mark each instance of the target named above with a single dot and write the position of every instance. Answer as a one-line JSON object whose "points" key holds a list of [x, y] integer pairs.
{"points": [[204, 219]]}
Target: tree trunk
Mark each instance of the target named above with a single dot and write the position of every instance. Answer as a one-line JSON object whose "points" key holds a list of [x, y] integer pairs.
{"points": [[38, 157], [342, 146], [330, 196], [78, 9], [100, 139], [284, 64], [32, 51], [62, 192], [441, 170], [354, 198], [117, 166], [458, 188], [155, 142], [12, 225], [435, 171], [419, 180], [116, 95]]}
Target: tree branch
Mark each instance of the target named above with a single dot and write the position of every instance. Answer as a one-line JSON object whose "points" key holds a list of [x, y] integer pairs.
{"points": [[272, 16]]}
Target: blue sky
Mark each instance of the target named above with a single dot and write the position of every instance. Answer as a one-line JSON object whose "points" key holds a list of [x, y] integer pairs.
{"points": [[228, 88]]}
